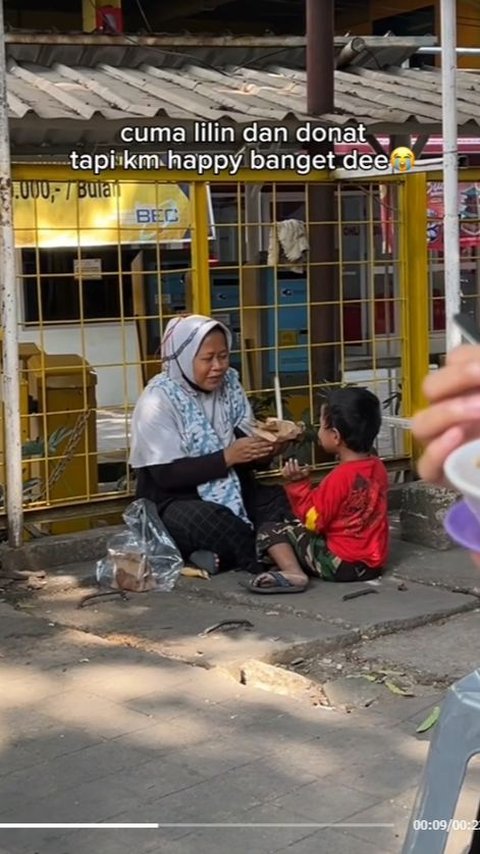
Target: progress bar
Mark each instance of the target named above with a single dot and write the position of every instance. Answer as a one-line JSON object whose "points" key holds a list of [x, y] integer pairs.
{"points": [[171, 825]]}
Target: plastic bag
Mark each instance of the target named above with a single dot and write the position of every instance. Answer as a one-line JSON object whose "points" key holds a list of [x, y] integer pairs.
{"points": [[142, 558]]}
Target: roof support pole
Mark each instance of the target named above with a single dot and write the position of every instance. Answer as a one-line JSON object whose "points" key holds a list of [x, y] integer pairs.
{"points": [[375, 144], [451, 226], [420, 144], [322, 285], [8, 300]]}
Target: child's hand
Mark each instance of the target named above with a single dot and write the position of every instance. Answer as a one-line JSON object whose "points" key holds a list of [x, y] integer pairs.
{"points": [[293, 471]]}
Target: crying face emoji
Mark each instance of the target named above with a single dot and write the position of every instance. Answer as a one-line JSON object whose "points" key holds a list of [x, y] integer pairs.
{"points": [[402, 159]]}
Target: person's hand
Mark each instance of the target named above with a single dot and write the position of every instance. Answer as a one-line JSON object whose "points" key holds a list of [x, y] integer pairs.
{"points": [[293, 471], [247, 450], [453, 416]]}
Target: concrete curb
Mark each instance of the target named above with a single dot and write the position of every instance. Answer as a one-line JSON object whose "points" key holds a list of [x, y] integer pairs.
{"points": [[422, 513], [59, 550]]}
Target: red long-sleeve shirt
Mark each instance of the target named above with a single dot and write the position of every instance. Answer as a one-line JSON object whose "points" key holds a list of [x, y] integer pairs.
{"points": [[349, 509]]}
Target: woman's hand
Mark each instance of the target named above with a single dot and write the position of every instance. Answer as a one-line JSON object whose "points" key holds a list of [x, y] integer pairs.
{"points": [[453, 416], [246, 450], [292, 471]]}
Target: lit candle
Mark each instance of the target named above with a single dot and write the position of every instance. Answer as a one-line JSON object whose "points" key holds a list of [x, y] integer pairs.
{"points": [[278, 398]]}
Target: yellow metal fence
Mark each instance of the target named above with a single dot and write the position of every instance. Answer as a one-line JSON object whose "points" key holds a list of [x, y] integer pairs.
{"points": [[319, 283]]}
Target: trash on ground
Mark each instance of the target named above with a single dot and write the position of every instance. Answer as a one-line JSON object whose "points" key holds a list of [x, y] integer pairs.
{"points": [[102, 595], [429, 721], [142, 558], [194, 572], [381, 677], [227, 626], [357, 593]]}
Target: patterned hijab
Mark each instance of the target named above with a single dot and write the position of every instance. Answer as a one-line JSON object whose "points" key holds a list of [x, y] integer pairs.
{"points": [[174, 419], [182, 340]]}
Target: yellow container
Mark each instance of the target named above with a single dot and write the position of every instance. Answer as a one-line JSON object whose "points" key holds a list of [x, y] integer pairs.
{"points": [[63, 387], [25, 353]]}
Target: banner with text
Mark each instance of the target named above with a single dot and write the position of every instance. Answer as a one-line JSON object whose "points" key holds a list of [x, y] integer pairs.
{"points": [[54, 214]]}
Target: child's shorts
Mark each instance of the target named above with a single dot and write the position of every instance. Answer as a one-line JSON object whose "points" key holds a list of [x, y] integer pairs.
{"points": [[311, 551]]}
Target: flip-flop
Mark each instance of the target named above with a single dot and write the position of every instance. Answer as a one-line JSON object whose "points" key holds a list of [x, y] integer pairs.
{"points": [[205, 560], [283, 585]]}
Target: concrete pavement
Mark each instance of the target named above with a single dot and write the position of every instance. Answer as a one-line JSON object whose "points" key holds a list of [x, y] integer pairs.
{"points": [[124, 712], [92, 731]]}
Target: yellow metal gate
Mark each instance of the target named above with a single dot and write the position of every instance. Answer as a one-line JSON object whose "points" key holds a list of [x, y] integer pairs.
{"points": [[103, 265]]}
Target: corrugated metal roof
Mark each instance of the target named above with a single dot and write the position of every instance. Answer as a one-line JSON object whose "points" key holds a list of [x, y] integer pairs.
{"points": [[77, 101]]}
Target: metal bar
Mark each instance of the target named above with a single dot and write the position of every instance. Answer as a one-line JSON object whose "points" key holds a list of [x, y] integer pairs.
{"points": [[320, 62], [368, 175], [415, 305], [80, 509], [400, 463], [320, 57], [397, 421], [114, 506], [350, 51], [420, 144], [398, 140], [402, 248], [451, 226], [62, 172], [376, 145], [154, 40], [201, 300], [250, 278], [460, 51], [8, 289], [470, 173]]}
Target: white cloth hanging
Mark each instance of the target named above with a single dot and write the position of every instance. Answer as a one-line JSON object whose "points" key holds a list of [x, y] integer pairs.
{"points": [[291, 235]]}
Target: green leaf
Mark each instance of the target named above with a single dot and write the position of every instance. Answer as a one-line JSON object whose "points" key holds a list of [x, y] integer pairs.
{"points": [[396, 689], [429, 722], [392, 672]]}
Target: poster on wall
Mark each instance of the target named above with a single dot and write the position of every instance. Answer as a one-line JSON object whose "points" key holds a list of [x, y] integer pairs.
{"points": [[469, 213], [55, 214]]}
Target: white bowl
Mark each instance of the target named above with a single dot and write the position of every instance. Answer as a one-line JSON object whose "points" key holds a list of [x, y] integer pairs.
{"points": [[462, 470]]}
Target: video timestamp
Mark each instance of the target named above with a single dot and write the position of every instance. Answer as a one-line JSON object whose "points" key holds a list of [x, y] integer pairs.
{"points": [[447, 824]]}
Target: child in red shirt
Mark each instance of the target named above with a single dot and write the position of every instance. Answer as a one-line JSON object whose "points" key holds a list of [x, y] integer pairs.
{"points": [[342, 529]]}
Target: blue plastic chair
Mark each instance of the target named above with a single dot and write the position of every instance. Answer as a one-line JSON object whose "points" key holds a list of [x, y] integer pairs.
{"points": [[456, 739]]}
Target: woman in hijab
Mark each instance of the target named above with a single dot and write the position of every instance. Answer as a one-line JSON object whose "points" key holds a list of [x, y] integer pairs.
{"points": [[195, 453]]}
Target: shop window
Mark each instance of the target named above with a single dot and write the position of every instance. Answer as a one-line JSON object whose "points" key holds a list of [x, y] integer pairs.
{"points": [[60, 285]]}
